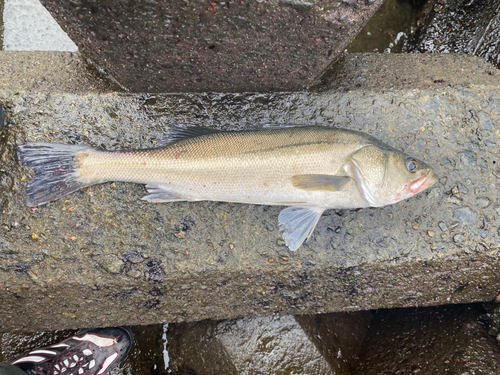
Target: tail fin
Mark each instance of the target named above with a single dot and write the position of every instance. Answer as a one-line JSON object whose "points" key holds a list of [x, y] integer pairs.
{"points": [[55, 169]]}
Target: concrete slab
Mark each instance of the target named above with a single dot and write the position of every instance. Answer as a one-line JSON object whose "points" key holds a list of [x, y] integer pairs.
{"points": [[51, 72], [28, 26], [321, 344], [470, 27], [196, 46], [438, 340], [104, 257]]}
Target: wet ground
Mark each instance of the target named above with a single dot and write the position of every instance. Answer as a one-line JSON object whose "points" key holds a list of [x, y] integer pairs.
{"points": [[433, 26], [454, 339], [392, 28], [417, 257], [464, 197]]}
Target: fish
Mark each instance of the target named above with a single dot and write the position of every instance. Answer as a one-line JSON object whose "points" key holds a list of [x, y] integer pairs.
{"points": [[310, 169]]}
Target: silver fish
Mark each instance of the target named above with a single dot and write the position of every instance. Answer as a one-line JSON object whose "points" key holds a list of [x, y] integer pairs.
{"points": [[308, 168]]}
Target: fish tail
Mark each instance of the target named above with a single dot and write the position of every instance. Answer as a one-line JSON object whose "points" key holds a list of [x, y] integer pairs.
{"points": [[56, 171]]}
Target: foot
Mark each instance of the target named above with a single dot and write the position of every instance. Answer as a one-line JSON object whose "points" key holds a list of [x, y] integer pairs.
{"points": [[89, 352]]}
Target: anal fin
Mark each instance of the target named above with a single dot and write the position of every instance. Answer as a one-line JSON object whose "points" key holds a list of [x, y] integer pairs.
{"points": [[158, 194], [298, 224]]}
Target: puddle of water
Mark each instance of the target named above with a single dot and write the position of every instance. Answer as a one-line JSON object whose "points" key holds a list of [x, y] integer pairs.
{"points": [[391, 28]]}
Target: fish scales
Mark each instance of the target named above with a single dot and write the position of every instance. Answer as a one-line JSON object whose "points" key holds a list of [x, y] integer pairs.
{"points": [[307, 168], [244, 167]]}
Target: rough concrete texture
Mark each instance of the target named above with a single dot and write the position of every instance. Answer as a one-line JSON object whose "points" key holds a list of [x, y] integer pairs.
{"points": [[104, 257], [321, 344], [195, 46], [441, 340], [376, 72], [28, 26], [145, 358], [51, 72], [470, 27]]}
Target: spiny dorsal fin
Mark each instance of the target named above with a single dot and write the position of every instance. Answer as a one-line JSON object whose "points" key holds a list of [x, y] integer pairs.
{"points": [[179, 132], [320, 182]]}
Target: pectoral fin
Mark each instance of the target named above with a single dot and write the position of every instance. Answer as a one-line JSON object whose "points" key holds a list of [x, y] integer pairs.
{"points": [[321, 182], [298, 224], [158, 194]]}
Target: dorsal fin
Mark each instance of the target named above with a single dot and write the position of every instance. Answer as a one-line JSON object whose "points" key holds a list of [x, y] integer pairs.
{"points": [[179, 132]]}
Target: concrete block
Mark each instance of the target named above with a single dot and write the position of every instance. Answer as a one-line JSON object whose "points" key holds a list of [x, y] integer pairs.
{"points": [[440, 340], [470, 27], [51, 72], [308, 344], [104, 257], [197, 46], [28, 26]]}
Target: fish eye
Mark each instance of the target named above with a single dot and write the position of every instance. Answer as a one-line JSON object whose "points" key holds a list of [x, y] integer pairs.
{"points": [[411, 165]]}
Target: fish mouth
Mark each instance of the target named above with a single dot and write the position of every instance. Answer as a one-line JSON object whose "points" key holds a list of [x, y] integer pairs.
{"points": [[422, 183]]}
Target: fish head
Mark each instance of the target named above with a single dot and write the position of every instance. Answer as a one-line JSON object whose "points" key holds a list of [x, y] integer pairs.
{"points": [[385, 175]]}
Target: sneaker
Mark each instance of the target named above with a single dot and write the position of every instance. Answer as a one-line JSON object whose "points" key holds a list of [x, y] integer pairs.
{"points": [[89, 352]]}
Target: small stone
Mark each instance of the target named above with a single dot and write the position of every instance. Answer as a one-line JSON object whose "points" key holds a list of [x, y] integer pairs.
{"points": [[466, 216], [443, 226], [489, 143], [231, 246], [461, 187], [269, 226], [468, 157], [433, 193], [454, 199], [482, 202], [430, 233], [458, 238], [415, 226], [111, 263], [134, 273], [181, 234], [485, 120], [280, 242]]}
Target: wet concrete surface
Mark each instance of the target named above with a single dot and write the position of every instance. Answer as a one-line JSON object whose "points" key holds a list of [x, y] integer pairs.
{"points": [[438, 340], [104, 257], [307, 344], [392, 28], [470, 27], [51, 72], [454, 339], [196, 46]]}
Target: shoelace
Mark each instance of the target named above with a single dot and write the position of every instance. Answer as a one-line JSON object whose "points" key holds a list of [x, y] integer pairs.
{"points": [[72, 362]]}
